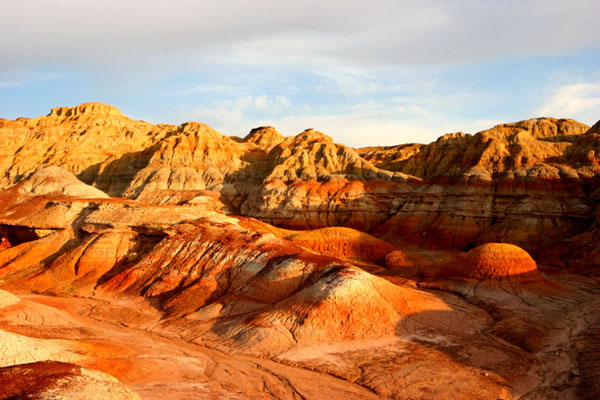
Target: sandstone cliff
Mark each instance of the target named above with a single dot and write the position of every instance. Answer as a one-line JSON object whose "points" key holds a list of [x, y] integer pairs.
{"points": [[296, 267], [529, 183]]}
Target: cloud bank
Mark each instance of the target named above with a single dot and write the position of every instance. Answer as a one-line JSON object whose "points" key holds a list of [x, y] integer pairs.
{"points": [[377, 33], [378, 72]]}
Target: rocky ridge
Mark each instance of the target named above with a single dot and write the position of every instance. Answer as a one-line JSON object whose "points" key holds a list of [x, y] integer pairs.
{"points": [[190, 238], [528, 183]]}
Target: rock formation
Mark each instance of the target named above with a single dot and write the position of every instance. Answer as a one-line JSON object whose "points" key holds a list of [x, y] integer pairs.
{"points": [[264, 137], [500, 261], [526, 183], [296, 267], [51, 379]]}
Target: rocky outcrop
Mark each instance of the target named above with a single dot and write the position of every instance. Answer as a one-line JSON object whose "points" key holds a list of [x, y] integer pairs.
{"points": [[341, 304], [52, 379], [515, 150], [519, 183], [334, 301], [216, 274], [264, 137], [194, 157], [53, 180], [499, 261], [78, 139], [529, 183]]}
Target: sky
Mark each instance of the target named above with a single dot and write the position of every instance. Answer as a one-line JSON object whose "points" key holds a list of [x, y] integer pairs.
{"points": [[371, 72]]}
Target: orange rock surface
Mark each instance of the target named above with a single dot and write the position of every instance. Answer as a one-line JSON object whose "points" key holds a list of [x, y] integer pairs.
{"points": [[296, 267], [526, 183], [51, 379], [500, 261]]}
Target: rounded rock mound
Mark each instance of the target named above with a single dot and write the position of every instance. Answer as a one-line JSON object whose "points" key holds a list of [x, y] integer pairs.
{"points": [[93, 108], [264, 137], [52, 179], [343, 242], [500, 261]]}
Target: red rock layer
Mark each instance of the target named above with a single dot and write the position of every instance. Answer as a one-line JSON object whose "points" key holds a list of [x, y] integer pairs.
{"points": [[52, 379], [528, 183], [337, 242], [499, 261], [262, 293]]}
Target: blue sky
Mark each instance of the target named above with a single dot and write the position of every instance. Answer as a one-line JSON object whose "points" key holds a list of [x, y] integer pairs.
{"points": [[366, 73]]}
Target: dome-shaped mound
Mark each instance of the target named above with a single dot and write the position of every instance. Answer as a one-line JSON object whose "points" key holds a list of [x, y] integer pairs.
{"points": [[309, 136], [343, 242], [499, 261], [264, 137], [52, 179]]}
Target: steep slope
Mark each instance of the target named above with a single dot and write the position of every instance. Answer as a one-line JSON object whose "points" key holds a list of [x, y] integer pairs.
{"points": [[203, 278], [194, 157], [529, 183], [77, 139], [522, 183], [311, 182], [511, 148], [207, 268]]}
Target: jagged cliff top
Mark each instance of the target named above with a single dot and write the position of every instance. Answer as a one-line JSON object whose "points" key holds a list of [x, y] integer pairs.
{"points": [[121, 156], [85, 109], [320, 299]]}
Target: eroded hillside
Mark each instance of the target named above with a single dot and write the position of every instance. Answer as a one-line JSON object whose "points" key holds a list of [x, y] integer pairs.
{"points": [[296, 267]]}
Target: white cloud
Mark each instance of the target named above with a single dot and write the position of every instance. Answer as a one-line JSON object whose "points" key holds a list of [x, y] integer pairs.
{"points": [[232, 116], [360, 130], [580, 101], [202, 89], [30, 77], [366, 73], [154, 33], [370, 123], [10, 83]]}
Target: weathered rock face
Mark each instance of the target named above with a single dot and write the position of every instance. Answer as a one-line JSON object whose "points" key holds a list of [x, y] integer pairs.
{"points": [[220, 280], [77, 139], [530, 147], [522, 183], [311, 182], [500, 261], [194, 157], [52, 379], [214, 272], [261, 294], [333, 301], [264, 137], [527, 183], [348, 299]]}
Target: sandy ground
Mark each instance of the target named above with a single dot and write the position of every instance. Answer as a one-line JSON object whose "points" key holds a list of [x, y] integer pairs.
{"points": [[155, 366], [126, 338]]}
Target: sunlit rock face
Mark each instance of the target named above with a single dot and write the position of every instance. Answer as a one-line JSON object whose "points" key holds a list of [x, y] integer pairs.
{"points": [[500, 261], [296, 267], [527, 183]]}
